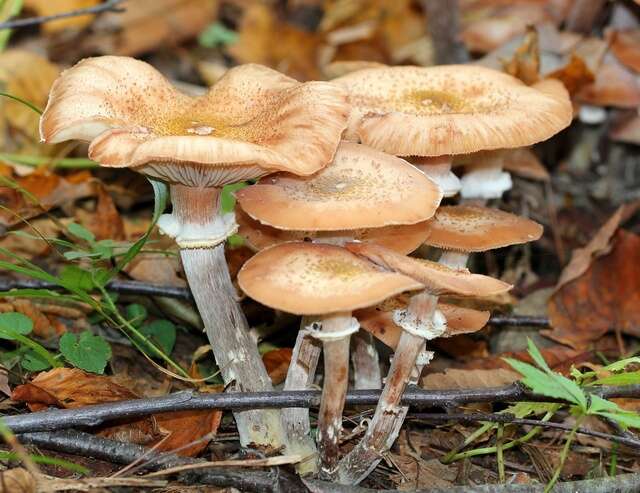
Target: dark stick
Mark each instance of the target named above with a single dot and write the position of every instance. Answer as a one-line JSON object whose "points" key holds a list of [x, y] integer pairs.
{"points": [[511, 419], [89, 416], [274, 480], [146, 289], [442, 16], [108, 6]]}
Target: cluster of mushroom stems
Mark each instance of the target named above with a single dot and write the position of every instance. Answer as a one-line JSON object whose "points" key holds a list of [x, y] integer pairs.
{"points": [[352, 173]]}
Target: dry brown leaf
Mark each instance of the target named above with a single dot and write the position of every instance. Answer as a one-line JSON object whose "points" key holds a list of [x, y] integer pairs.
{"points": [[416, 473], [42, 326], [147, 25], [626, 128], [17, 480], [614, 85], [523, 162], [525, 63], [28, 76], [625, 45], [35, 246], [605, 297], [106, 223], [468, 379], [560, 358], [575, 75], [70, 388], [4, 382], [189, 432], [45, 191], [53, 7], [277, 363]]}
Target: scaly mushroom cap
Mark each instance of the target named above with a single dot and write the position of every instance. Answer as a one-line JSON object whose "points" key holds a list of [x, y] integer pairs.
{"points": [[451, 109], [378, 320], [469, 228], [361, 188], [437, 278], [253, 120], [403, 239], [316, 279]]}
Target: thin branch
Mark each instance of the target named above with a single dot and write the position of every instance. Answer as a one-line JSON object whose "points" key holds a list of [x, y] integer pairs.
{"points": [[146, 289], [273, 480], [511, 419], [91, 416], [108, 6]]}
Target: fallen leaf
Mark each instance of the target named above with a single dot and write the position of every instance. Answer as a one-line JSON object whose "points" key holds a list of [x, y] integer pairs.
{"points": [[4, 382], [614, 85], [525, 63], [625, 45], [626, 128], [107, 223], [575, 75], [277, 364], [54, 7], [187, 433], [44, 191], [454, 378], [17, 480], [559, 358], [523, 162], [417, 473], [603, 298]]}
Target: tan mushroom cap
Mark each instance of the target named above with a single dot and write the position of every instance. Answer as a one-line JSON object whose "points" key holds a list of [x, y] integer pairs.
{"points": [[252, 121], [403, 239], [316, 279], [378, 320], [521, 161], [437, 278], [451, 109], [361, 188], [468, 228]]}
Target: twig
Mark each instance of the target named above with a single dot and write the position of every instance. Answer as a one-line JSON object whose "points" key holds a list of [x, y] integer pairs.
{"points": [[443, 20], [146, 289], [73, 442], [108, 6], [511, 419], [89, 416]]}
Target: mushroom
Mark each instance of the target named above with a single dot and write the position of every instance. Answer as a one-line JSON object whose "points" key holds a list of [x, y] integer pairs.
{"points": [[252, 122], [329, 282], [451, 109], [361, 188], [420, 322], [463, 229], [438, 169]]}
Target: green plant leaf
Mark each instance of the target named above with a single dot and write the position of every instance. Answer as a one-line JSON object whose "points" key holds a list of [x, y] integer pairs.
{"points": [[136, 314], [628, 378], [622, 364], [81, 232], [162, 333], [215, 35], [626, 419], [235, 241], [73, 275], [32, 361], [524, 409], [14, 323], [535, 354], [88, 352], [227, 199]]}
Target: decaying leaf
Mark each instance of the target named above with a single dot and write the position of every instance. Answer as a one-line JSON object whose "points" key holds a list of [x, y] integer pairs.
{"points": [[614, 85], [604, 297], [17, 480], [277, 363], [417, 473], [525, 63], [626, 128], [187, 433], [53, 7], [468, 379], [574, 75], [625, 45]]}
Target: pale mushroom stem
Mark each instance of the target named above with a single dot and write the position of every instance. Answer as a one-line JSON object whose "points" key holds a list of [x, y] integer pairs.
{"points": [[335, 334], [197, 209], [365, 361], [300, 376], [389, 415], [453, 258]]}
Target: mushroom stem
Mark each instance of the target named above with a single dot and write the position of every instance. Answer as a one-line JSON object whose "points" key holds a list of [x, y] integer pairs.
{"points": [[389, 415], [196, 221], [300, 376], [454, 259], [366, 362], [335, 334]]}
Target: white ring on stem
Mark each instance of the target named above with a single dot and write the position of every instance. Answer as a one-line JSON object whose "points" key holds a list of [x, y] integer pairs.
{"points": [[321, 335], [427, 329], [199, 235]]}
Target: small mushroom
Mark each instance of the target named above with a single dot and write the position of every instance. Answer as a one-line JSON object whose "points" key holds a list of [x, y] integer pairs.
{"points": [[451, 109], [362, 188], [252, 122], [438, 169], [467, 228], [329, 282], [420, 321]]}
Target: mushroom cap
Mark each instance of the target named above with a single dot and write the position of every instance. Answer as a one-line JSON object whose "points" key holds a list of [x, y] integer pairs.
{"points": [[315, 279], [402, 239], [625, 45], [468, 228], [451, 109], [378, 320], [252, 121], [361, 188], [521, 161], [437, 278]]}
